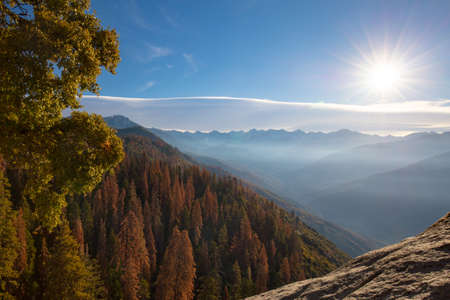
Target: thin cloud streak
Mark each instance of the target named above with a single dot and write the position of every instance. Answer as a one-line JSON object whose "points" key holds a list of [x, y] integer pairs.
{"points": [[169, 19], [222, 113], [438, 106], [191, 62], [155, 51], [147, 86]]}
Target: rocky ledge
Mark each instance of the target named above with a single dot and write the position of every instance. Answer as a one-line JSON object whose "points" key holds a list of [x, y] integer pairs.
{"points": [[416, 268]]}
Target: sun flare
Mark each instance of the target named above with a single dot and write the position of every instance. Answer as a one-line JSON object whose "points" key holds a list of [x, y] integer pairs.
{"points": [[387, 72], [384, 77]]}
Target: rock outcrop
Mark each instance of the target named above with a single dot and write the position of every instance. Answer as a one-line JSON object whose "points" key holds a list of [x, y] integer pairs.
{"points": [[416, 268]]}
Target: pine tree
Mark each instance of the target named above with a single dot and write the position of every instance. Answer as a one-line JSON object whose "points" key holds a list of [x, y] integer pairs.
{"points": [[176, 201], [248, 287], [102, 253], [189, 192], [285, 271], [68, 275], [79, 235], [9, 244], [150, 238], [236, 282], [209, 288], [210, 206], [177, 273], [21, 261], [262, 271], [297, 272], [133, 255], [203, 260], [197, 222], [134, 203]]}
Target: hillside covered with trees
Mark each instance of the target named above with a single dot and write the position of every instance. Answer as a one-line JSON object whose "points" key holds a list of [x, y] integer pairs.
{"points": [[160, 227], [87, 215]]}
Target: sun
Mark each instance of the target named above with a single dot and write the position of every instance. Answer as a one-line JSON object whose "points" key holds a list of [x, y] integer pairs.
{"points": [[384, 77], [386, 73]]}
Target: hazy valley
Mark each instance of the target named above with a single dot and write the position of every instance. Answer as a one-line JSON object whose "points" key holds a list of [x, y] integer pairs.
{"points": [[345, 177]]}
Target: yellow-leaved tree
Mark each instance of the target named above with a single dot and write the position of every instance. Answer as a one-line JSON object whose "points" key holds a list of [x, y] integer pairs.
{"points": [[51, 51]]}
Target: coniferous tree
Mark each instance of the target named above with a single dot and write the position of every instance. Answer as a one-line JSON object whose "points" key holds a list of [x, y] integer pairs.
{"points": [[67, 274], [150, 238], [197, 222], [262, 271], [285, 271], [22, 259], [9, 243], [102, 252], [79, 235], [209, 288], [236, 282], [210, 206], [177, 273], [133, 255], [134, 203]]}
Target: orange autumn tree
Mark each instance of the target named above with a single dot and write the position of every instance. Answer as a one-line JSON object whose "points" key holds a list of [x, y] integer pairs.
{"points": [[133, 256], [176, 276]]}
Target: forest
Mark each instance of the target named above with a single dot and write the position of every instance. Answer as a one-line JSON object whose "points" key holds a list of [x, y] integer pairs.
{"points": [[85, 214], [160, 227]]}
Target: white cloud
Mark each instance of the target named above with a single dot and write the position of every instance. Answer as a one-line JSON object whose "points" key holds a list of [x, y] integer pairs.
{"points": [[438, 106], [156, 52], [234, 113], [189, 58], [147, 86]]}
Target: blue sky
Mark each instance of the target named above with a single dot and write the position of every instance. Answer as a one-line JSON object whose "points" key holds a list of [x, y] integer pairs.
{"points": [[294, 51]]}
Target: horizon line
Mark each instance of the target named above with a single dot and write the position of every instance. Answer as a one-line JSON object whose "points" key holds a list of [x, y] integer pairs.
{"points": [[370, 133]]}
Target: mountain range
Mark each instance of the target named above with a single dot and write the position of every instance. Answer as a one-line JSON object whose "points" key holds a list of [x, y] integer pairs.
{"points": [[350, 242], [170, 213], [391, 205], [347, 178]]}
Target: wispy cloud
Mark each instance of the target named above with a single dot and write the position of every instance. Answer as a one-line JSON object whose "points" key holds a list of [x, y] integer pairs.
{"points": [[437, 106], [169, 19], [147, 86], [137, 18], [189, 58], [150, 52], [154, 52], [153, 69]]}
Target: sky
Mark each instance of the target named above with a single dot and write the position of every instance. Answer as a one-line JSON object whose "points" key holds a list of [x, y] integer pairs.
{"points": [[326, 55]]}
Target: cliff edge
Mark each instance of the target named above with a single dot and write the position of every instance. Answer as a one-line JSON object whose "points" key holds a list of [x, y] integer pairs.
{"points": [[416, 268]]}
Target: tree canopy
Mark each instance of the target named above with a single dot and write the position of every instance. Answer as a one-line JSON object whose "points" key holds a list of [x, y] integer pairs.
{"points": [[51, 51]]}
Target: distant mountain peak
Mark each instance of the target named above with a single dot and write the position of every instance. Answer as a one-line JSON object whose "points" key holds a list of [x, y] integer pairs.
{"points": [[120, 122], [347, 132], [421, 134]]}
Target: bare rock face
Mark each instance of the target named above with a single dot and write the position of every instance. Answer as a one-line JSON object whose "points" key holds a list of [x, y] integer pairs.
{"points": [[416, 268]]}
